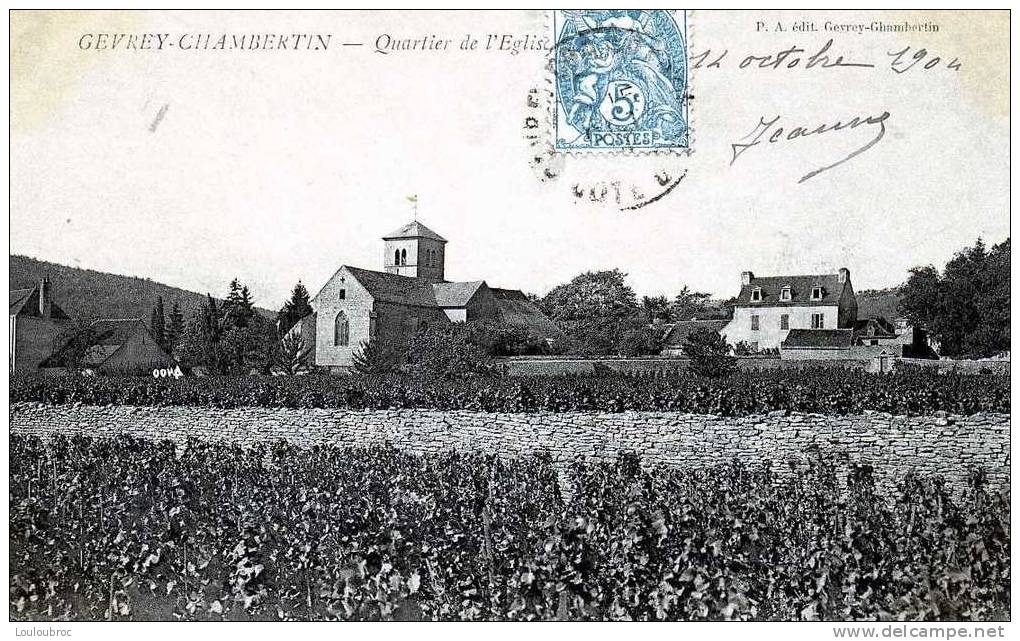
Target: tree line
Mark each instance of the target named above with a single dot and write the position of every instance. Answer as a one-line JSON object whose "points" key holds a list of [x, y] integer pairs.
{"points": [[964, 308]]}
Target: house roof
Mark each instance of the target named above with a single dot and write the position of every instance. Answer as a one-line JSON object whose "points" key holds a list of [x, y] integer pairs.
{"points": [[414, 230], [819, 339], [677, 333], [110, 335], [117, 331], [800, 290], [514, 308], [455, 294], [874, 328], [25, 302]]}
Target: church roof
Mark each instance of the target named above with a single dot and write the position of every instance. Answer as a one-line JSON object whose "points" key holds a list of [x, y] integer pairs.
{"points": [[393, 288], [414, 230], [514, 308]]}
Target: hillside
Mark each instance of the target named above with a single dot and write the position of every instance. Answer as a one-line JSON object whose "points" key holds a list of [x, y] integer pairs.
{"points": [[872, 303], [101, 294]]}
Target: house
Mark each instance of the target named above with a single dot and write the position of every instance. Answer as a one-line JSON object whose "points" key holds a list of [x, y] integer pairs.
{"points": [[121, 346], [768, 308], [36, 327], [357, 305], [675, 334]]}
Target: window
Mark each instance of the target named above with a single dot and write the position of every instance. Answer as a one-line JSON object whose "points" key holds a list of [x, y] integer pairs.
{"points": [[341, 330], [403, 256], [372, 324], [785, 293], [816, 293], [784, 321], [396, 257], [874, 342], [754, 322], [756, 294], [342, 294], [817, 321]]}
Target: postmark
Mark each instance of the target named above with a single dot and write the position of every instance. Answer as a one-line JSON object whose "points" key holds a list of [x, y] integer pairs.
{"points": [[620, 80]]}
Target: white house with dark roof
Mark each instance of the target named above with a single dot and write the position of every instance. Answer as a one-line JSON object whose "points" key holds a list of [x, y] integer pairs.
{"points": [[356, 305], [769, 307]]}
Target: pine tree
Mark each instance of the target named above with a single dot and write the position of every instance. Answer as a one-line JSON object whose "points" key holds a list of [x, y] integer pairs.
{"points": [[174, 328], [238, 309], [157, 324], [294, 309]]}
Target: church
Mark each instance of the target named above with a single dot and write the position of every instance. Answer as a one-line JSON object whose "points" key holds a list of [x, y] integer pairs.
{"points": [[357, 305]]}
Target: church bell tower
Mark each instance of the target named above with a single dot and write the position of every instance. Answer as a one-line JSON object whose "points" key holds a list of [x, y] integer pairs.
{"points": [[417, 251]]}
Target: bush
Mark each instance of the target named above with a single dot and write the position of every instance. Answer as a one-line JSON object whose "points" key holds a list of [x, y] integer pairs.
{"points": [[709, 353], [104, 529], [821, 390]]}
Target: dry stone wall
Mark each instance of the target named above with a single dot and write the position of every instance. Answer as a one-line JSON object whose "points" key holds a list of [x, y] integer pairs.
{"points": [[940, 444]]}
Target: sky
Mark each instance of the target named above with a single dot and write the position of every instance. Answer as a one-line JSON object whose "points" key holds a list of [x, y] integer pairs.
{"points": [[195, 167]]}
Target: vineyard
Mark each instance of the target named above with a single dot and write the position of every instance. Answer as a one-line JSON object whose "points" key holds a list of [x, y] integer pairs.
{"points": [[136, 530], [823, 390]]}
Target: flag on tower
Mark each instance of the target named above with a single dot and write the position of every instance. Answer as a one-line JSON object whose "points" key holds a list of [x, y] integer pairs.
{"points": [[413, 199]]}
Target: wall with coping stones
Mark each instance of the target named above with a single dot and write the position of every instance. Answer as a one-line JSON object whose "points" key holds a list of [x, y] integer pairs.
{"points": [[940, 444]]}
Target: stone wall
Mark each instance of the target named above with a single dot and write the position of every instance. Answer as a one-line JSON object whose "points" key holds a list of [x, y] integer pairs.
{"points": [[947, 445]]}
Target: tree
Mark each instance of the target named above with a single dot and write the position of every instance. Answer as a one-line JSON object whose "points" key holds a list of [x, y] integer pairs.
{"points": [[238, 308], [378, 357], [297, 307], [638, 339], [709, 353], [230, 339], [688, 304], [443, 350], [656, 309], [199, 343], [157, 323], [504, 339], [76, 340], [603, 294], [594, 310], [174, 328], [966, 307]]}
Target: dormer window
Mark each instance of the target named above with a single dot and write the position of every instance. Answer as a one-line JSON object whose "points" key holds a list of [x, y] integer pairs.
{"points": [[784, 294], [816, 293], [756, 295]]}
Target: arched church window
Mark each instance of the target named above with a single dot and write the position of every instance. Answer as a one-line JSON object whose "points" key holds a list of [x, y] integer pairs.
{"points": [[403, 256], [341, 330], [396, 257]]}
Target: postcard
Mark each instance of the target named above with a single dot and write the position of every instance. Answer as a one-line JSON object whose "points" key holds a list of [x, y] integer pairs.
{"points": [[534, 315]]}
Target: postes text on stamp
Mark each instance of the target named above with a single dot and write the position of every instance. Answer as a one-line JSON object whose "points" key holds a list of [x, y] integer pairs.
{"points": [[620, 79]]}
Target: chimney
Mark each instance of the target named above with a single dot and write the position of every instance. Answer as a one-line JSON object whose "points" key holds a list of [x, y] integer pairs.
{"points": [[844, 274], [45, 305], [746, 278]]}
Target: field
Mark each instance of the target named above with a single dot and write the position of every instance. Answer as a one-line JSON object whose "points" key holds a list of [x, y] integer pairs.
{"points": [[828, 391], [135, 530]]}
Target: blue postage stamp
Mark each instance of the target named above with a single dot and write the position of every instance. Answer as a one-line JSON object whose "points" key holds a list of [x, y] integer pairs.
{"points": [[620, 79]]}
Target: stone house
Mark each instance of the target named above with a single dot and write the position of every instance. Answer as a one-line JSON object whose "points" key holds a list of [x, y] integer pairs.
{"points": [[357, 305], [768, 308], [123, 346], [36, 324]]}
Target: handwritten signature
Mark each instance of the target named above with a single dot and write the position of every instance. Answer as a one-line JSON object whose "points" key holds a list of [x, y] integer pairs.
{"points": [[769, 131]]}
